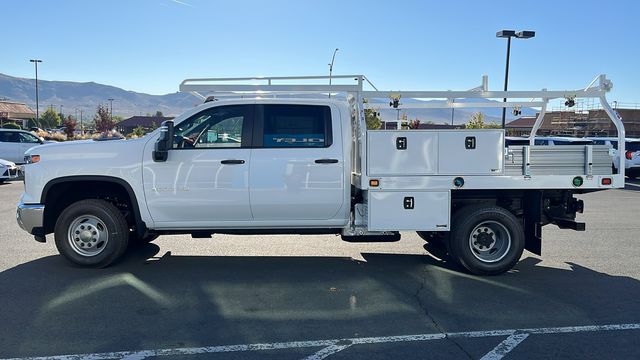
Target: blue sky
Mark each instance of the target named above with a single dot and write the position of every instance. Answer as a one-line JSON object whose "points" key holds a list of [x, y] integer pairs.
{"points": [[151, 45]]}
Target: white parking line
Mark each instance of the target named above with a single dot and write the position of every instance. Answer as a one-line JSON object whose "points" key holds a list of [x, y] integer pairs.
{"points": [[505, 347], [333, 346], [328, 351]]}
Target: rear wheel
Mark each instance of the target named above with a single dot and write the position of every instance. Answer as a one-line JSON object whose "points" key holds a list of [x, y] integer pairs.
{"points": [[91, 233], [486, 240]]}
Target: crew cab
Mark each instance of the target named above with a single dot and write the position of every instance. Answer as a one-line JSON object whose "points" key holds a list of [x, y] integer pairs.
{"points": [[270, 160]]}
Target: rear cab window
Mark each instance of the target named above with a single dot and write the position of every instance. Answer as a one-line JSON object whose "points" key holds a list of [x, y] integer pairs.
{"points": [[293, 126]]}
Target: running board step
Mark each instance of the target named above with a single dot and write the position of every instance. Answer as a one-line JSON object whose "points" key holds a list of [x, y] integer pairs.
{"points": [[371, 238]]}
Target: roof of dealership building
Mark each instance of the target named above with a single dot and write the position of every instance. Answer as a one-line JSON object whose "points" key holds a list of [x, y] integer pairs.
{"points": [[15, 110]]}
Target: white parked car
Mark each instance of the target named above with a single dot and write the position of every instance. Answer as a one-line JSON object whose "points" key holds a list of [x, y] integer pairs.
{"points": [[14, 143], [631, 153], [8, 170], [547, 140]]}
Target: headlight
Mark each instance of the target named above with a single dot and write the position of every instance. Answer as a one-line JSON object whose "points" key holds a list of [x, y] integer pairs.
{"points": [[31, 159]]}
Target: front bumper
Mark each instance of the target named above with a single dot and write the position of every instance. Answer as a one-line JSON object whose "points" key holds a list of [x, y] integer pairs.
{"points": [[30, 217], [10, 173]]}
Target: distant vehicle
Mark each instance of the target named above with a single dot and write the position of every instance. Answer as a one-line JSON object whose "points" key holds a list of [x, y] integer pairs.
{"points": [[8, 170], [35, 129], [632, 153], [547, 140], [13, 144]]}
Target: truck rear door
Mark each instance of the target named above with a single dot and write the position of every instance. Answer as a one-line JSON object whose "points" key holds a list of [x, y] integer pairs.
{"points": [[297, 163]]}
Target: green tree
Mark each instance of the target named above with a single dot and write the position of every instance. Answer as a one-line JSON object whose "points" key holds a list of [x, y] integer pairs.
{"points": [[50, 119], [372, 118], [477, 122], [159, 114], [138, 131], [10, 125], [102, 119]]}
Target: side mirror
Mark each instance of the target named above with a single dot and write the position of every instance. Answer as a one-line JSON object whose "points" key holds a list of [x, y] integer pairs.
{"points": [[164, 142]]}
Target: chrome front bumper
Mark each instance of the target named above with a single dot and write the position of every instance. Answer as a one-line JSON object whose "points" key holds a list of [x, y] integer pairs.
{"points": [[30, 217]]}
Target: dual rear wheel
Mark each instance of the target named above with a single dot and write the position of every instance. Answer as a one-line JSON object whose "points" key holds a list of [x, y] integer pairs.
{"points": [[485, 240]]}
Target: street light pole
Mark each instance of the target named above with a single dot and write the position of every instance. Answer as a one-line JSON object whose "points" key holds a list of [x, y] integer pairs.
{"points": [[36, 61], [509, 34], [506, 80], [333, 58]]}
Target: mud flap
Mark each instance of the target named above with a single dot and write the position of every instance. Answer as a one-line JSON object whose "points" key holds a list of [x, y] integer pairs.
{"points": [[533, 221]]}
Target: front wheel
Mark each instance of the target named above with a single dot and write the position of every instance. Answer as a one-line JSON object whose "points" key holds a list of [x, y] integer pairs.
{"points": [[91, 233], [486, 240]]}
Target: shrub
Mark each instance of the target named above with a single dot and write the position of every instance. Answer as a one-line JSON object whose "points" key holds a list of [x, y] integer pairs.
{"points": [[11, 125]]}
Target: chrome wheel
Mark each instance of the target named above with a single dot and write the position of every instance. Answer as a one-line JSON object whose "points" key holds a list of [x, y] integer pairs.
{"points": [[490, 241], [88, 235]]}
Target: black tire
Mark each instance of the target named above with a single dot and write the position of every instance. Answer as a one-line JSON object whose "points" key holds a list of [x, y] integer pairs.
{"points": [[108, 221], [499, 235]]}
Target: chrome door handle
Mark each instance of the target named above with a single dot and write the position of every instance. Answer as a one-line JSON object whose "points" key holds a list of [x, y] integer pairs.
{"points": [[232, 162]]}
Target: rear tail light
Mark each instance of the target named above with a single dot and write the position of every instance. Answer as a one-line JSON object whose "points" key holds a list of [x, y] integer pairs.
{"points": [[629, 155], [606, 181]]}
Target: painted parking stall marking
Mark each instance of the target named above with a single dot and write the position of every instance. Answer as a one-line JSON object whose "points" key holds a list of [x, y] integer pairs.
{"points": [[330, 347]]}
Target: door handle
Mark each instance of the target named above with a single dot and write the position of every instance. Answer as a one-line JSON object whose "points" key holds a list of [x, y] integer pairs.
{"points": [[326, 161], [232, 162]]}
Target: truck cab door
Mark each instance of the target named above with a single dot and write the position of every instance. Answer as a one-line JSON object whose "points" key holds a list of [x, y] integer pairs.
{"points": [[297, 164], [205, 181]]}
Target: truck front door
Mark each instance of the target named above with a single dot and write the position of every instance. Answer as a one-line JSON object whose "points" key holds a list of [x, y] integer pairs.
{"points": [[205, 180], [297, 165]]}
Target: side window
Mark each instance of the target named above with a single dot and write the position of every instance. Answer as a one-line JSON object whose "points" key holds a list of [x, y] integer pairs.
{"points": [[296, 126], [217, 127], [598, 142], [540, 142], [10, 136], [28, 138]]}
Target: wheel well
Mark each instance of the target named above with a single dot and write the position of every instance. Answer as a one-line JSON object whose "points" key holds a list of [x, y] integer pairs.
{"points": [[61, 193]]}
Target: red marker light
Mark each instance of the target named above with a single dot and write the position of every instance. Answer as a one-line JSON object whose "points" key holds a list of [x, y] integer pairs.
{"points": [[606, 181]]}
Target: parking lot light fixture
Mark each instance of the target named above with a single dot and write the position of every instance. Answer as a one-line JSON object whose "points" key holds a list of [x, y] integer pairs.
{"points": [[35, 62], [508, 34]]}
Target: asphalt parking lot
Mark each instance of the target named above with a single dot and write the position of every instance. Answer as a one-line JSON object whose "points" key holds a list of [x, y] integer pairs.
{"points": [[292, 297]]}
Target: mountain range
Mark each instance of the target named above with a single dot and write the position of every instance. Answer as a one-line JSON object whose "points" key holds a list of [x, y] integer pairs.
{"points": [[71, 97], [87, 96]]}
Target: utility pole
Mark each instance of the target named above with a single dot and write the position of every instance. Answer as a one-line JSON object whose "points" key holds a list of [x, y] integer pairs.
{"points": [[36, 61], [111, 109]]}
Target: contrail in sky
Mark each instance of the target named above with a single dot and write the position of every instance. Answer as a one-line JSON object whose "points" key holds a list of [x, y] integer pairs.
{"points": [[182, 3]]}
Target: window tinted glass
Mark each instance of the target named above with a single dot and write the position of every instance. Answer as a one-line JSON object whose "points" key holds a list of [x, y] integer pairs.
{"points": [[9, 136], [577, 142], [632, 146], [28, 138], [218, 127], [296, 126], [540, 142]]}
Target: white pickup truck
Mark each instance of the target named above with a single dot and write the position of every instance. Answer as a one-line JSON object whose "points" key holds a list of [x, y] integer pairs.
{"points": [[273, 158]]}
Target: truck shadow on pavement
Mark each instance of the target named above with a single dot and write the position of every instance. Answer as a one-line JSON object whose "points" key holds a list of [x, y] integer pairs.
{"points": [[155, 301]]}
